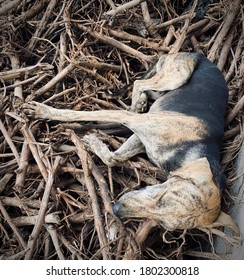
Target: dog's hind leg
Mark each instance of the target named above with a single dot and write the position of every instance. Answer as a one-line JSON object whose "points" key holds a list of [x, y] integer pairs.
{"points": [[172, 72], [130, 148]]}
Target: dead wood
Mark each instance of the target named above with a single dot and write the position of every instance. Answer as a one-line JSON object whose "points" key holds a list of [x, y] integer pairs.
{"points": [[55, 197]]}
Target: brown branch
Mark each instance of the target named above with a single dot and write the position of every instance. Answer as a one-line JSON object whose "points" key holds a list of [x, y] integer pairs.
{"points": [[42, 24], [233, 10], [225, 50], [238, 107], [55, 239], [111, 41], [9, 141], [123, 8], [43, 208], [23, 166], [10, 5], [16, 73], [30, 13], [37, 154], [98, 220], [52, 82], [12, 225], [183, 32], [139, 40]]}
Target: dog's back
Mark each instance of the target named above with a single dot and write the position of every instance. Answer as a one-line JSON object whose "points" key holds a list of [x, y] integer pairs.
{"points": [[203, 97]]}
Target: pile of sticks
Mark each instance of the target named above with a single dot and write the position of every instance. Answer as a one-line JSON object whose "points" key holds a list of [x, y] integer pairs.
{"points": [[55, 197]]}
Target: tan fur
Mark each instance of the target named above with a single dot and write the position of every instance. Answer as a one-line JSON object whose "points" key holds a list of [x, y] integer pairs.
{"points": [[172, 71], [184, 201]]}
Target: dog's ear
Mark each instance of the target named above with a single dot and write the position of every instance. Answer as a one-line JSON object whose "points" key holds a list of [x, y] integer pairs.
{"points": [[198, 171]]}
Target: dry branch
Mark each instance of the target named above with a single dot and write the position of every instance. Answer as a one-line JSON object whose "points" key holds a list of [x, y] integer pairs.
{"points": [[43, 208], [86, 162], [122, 8], [111, 41], [232, 11], [10, 5]]}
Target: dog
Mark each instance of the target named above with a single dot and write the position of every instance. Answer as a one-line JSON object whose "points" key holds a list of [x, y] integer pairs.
{"points": [[182, 133]]}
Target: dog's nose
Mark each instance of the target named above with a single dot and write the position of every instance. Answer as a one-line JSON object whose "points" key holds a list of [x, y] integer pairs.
{"points": [[117, 208]]}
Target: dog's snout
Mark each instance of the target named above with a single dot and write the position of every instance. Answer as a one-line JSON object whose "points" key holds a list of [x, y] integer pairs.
{"points": [[117, 208]]}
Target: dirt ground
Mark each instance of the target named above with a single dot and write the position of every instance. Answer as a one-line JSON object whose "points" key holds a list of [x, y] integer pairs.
{"points": [[56, 197]]}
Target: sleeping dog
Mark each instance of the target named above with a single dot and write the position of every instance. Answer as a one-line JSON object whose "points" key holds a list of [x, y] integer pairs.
{"points": [[182, 132]]}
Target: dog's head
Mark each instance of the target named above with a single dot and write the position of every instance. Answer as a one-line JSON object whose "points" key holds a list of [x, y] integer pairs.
{"points": [[188, 199]]}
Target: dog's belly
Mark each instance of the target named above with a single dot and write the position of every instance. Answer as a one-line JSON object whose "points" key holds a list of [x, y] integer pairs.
{"points": [[171, 157]]}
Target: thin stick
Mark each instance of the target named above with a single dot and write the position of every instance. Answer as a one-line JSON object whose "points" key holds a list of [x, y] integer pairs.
{"points": [[98, 220], [178, 44], [54, 236], [124, 7], [43, 209], [12, 225], [238, 107], [52, 82], [9, 5], [9, 141], [29, 138], [117, 44], [42, 24], [234, 8]]}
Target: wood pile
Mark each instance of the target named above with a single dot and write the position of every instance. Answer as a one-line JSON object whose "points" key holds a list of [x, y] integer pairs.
{"points": [[55, 196]]}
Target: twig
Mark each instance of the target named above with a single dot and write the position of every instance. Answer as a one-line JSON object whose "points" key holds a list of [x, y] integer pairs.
{"points": [[43, 208], [12, 225], [58, 95], [139, 40], [234, 9], [4, 180], [66, 243], [84, 157], [37, 154], [51, 218], [52, 82], [19, 83], [30, 13], [109, 40], [177, 45], [147, 19], [16, 73], [96, 75], [142, 234], [23, 165], [111, 3], [15, 63], [171, 22], [123, 8], [238, 107], [9, 141], [10, 5], [238, 53], [225, 50], [54, 235], [42, 24]]}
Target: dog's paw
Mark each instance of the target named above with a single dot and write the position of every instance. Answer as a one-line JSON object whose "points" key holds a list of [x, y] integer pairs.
{"points": [[36, 110], [141, 104]]}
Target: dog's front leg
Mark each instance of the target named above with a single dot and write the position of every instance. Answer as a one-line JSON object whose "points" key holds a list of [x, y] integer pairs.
{"points": [[130, 148]]}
